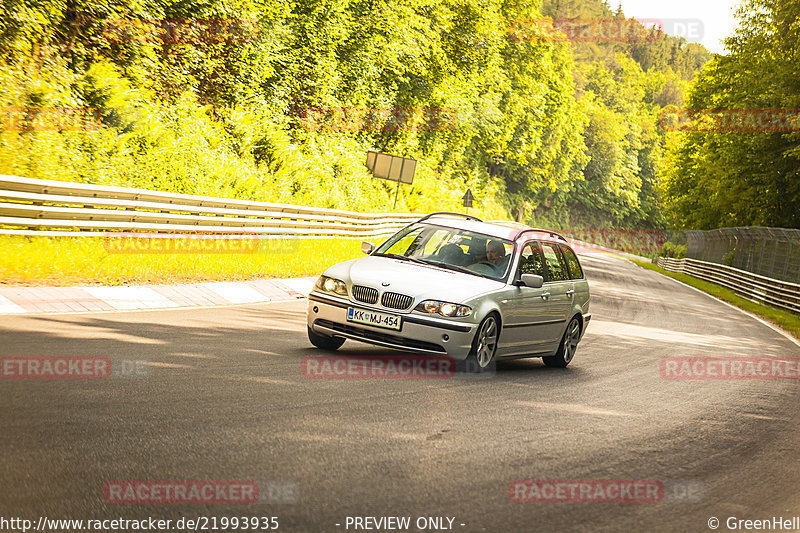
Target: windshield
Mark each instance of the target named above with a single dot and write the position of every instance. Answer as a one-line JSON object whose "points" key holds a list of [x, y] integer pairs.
{"points": [[451, 248]]}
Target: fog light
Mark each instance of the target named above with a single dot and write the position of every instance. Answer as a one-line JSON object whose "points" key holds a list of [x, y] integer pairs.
{"points": [[445, 337], [315, 309]]}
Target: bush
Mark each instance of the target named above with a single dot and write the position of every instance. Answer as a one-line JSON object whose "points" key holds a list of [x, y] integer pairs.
{"points": [[670, 249], [727, 259], [183, 146]]}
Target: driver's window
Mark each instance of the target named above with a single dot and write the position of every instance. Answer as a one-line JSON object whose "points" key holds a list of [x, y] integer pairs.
{"points": [[530, 261]]}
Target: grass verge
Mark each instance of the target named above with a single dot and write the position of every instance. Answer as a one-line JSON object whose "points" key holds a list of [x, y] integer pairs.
{"points": [[786, 320], [64, 261]]}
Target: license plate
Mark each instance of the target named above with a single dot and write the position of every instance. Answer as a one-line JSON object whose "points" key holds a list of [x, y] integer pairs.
{"points": [[379, 320]]}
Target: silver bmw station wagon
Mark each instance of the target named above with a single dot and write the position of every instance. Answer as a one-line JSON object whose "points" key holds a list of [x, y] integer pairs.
{"points": [[452, 285]]}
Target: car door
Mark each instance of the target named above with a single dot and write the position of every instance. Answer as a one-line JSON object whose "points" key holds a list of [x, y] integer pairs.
{"points": [[558, 291], [580, 299], [526, 314]]}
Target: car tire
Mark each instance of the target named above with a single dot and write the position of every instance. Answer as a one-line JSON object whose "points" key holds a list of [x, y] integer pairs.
{"points": [[567, 347], [324, 342], [481, 357]]}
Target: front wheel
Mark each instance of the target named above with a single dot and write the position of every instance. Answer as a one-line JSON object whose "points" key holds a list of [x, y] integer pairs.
{"points": [[484, 346], [569, 343], [323, 342]]}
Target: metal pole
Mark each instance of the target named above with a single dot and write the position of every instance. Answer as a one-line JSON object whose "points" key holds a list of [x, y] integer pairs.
{"points": [[400, 177], [760, 268], [774, 254]]}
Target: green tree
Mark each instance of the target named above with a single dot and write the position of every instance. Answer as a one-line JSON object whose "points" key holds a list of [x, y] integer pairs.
{"points": [[743, 178]]}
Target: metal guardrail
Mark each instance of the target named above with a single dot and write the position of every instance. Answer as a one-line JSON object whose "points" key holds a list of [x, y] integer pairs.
{"points": [[56, 208], [753, 287], [771, 252]]}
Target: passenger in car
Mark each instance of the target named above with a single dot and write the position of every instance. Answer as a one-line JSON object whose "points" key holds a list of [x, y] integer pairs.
{"points": [[451, 254], [477, 251]]}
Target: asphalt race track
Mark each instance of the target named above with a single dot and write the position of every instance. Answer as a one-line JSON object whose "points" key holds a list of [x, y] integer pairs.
{"points": [[221, 396]]}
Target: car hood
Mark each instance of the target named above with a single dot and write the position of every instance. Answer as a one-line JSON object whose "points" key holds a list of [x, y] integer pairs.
{"points": [[418, 281]]}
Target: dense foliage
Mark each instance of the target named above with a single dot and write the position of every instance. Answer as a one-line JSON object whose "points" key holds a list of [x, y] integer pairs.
{"points": [[279, 101], [742, 178], [621, 87]]}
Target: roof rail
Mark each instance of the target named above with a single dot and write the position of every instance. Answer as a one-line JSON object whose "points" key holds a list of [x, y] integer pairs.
{"points": [[537, 230], [445, 213]]}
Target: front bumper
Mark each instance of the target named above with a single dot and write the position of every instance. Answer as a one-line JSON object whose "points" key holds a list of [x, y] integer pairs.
{"points": [[327, 315]]}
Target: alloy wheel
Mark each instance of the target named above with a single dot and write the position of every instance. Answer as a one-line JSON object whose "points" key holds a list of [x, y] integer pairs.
{"points": [[487, 342]]}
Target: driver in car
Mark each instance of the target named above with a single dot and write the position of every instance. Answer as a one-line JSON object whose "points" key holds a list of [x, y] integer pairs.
{"points": [[496, 255]]}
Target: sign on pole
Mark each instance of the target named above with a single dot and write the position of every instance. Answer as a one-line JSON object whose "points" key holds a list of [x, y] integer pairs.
{"points": [[392, 167], [468, 198]]}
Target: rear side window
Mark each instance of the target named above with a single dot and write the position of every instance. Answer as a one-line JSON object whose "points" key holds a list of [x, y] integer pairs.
{"points": [[530, 261], [556, 267], [575, 270]]}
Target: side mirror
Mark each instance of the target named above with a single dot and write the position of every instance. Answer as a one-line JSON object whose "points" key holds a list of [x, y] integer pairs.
{"points": [[534, 281], [367, 247]]}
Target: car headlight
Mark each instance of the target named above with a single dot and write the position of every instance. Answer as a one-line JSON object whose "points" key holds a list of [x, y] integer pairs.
{"points": [[336, 286], [443, 308]]}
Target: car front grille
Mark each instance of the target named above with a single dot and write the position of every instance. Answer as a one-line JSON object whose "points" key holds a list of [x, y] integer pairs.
{"points": [[347, 329], [396, 301], [368, 295]]}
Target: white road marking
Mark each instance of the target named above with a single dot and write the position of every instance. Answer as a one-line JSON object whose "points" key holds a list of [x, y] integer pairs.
{"points": [[127, 298], [237, 293], [573, 408], [301, 285], [623, 330], [773, 327], [164, 365], [254, 379], [9, 307]]}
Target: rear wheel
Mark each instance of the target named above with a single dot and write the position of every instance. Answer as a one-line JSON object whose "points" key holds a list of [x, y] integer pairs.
{"points": [[324, 342], [484, 346], [568, 346]]}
